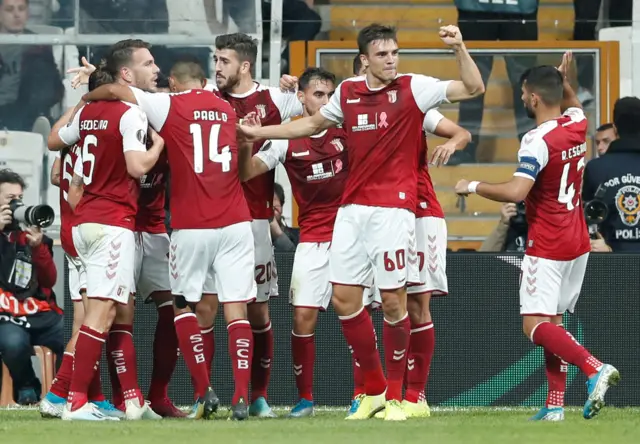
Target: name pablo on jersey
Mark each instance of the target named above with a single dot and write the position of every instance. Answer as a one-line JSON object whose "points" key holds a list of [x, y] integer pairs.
{"points": [[576, 151], [210, 116], [92, 125]]}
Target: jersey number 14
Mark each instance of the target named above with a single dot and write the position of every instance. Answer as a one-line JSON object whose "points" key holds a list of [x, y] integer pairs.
{"points": [[222, 157]]}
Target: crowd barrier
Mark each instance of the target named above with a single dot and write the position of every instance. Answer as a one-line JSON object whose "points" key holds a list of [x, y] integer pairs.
{"points": [[482, 358]]}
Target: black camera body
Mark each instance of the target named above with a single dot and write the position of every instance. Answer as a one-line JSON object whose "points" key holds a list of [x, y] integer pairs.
{"points": [[35, 215], [596, 211]]}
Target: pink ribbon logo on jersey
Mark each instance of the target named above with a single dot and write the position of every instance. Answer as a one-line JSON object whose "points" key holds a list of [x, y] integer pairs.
{"points": [[383, 120]]}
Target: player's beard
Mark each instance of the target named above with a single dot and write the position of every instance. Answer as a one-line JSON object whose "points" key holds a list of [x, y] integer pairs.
{"points": [[530, 111], [230, 82]]}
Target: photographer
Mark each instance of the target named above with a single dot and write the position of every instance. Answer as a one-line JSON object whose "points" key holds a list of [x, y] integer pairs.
{"points": [[28, 312], [617, 175], [511, 232]]}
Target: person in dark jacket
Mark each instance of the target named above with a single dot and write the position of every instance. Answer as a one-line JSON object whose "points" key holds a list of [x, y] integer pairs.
{"points": [[284, 238], [30, 83], [618, 174]]}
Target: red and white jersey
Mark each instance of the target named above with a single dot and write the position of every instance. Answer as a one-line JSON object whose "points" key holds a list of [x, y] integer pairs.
{"points": [[150, 217], [105, 131], [317, 168], [70, 164], [384, 131], [428, 205], [199, 130], [553, 156], [273, 106]]}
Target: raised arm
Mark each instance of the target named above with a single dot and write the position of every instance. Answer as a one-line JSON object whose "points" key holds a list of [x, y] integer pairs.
{"points": [[133, 127], [65, 133], [569, 98], [471, 84], [54, 174], [111, 92], [270, 155]]}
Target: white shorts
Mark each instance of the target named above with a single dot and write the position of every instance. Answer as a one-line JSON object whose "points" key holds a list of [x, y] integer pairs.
{"points": [[266, 275], [549, 288], [431, 237], [372, 243], [151, 264], [107, 253], [216, 260], [77, 278], [371, 297], [310, 286]]}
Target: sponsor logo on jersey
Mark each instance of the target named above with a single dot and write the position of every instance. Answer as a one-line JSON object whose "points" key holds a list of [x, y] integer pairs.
{"points": [[363, 124], [262, 110], [393, 96], [628, 204], [337, 143], [319, 172]]}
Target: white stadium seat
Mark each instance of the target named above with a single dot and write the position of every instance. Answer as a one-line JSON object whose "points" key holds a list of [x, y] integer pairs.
{"points": [[23, 153]]}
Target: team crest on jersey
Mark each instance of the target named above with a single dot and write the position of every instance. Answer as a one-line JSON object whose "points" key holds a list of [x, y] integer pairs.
{"points": [[337, 144], [393, 96], [628, 204], [262, 111]]}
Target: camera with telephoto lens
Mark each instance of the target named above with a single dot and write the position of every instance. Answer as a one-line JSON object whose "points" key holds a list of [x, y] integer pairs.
{"points": [[34, 216], [596, 211]]}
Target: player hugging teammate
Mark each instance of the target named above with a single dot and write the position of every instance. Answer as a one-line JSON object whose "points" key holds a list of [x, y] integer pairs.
{"points": [[370, 222]]}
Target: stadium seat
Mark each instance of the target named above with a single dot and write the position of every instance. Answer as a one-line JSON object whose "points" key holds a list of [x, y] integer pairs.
{"points": [[23, 153], [47, 373]]}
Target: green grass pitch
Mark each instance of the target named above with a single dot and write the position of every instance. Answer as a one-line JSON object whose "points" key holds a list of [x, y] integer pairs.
{"points": [[464, 426]]}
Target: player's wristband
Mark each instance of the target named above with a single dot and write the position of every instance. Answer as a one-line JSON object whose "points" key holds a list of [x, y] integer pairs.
{"points": [[472, 186]]}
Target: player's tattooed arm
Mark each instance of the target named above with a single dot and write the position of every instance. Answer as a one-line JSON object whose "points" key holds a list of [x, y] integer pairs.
{"points": [[515, 190], [76, 189], [111, 92], [54, 175]]}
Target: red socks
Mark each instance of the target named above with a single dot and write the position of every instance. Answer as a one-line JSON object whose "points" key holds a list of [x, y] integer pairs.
{"points": [[303, 349], [556, 370], [192, 349], [209, 347], [121, 357], [395, 336], [165, 353], [360, 335], [358, 377], [262, 357], [87, 356], [241, 352], [60, 384], [421, 347], [562, 344]]}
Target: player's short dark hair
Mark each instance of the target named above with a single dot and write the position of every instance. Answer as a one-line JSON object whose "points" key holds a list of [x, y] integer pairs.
{"points": [[546, 81], [186, 69], [120, 54], [604, 127], [100, 77], [357, 65], [9, 176], [279, 191], [375, 32], [162, 81], [242, 44], [313, 73], [626, 115]]}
